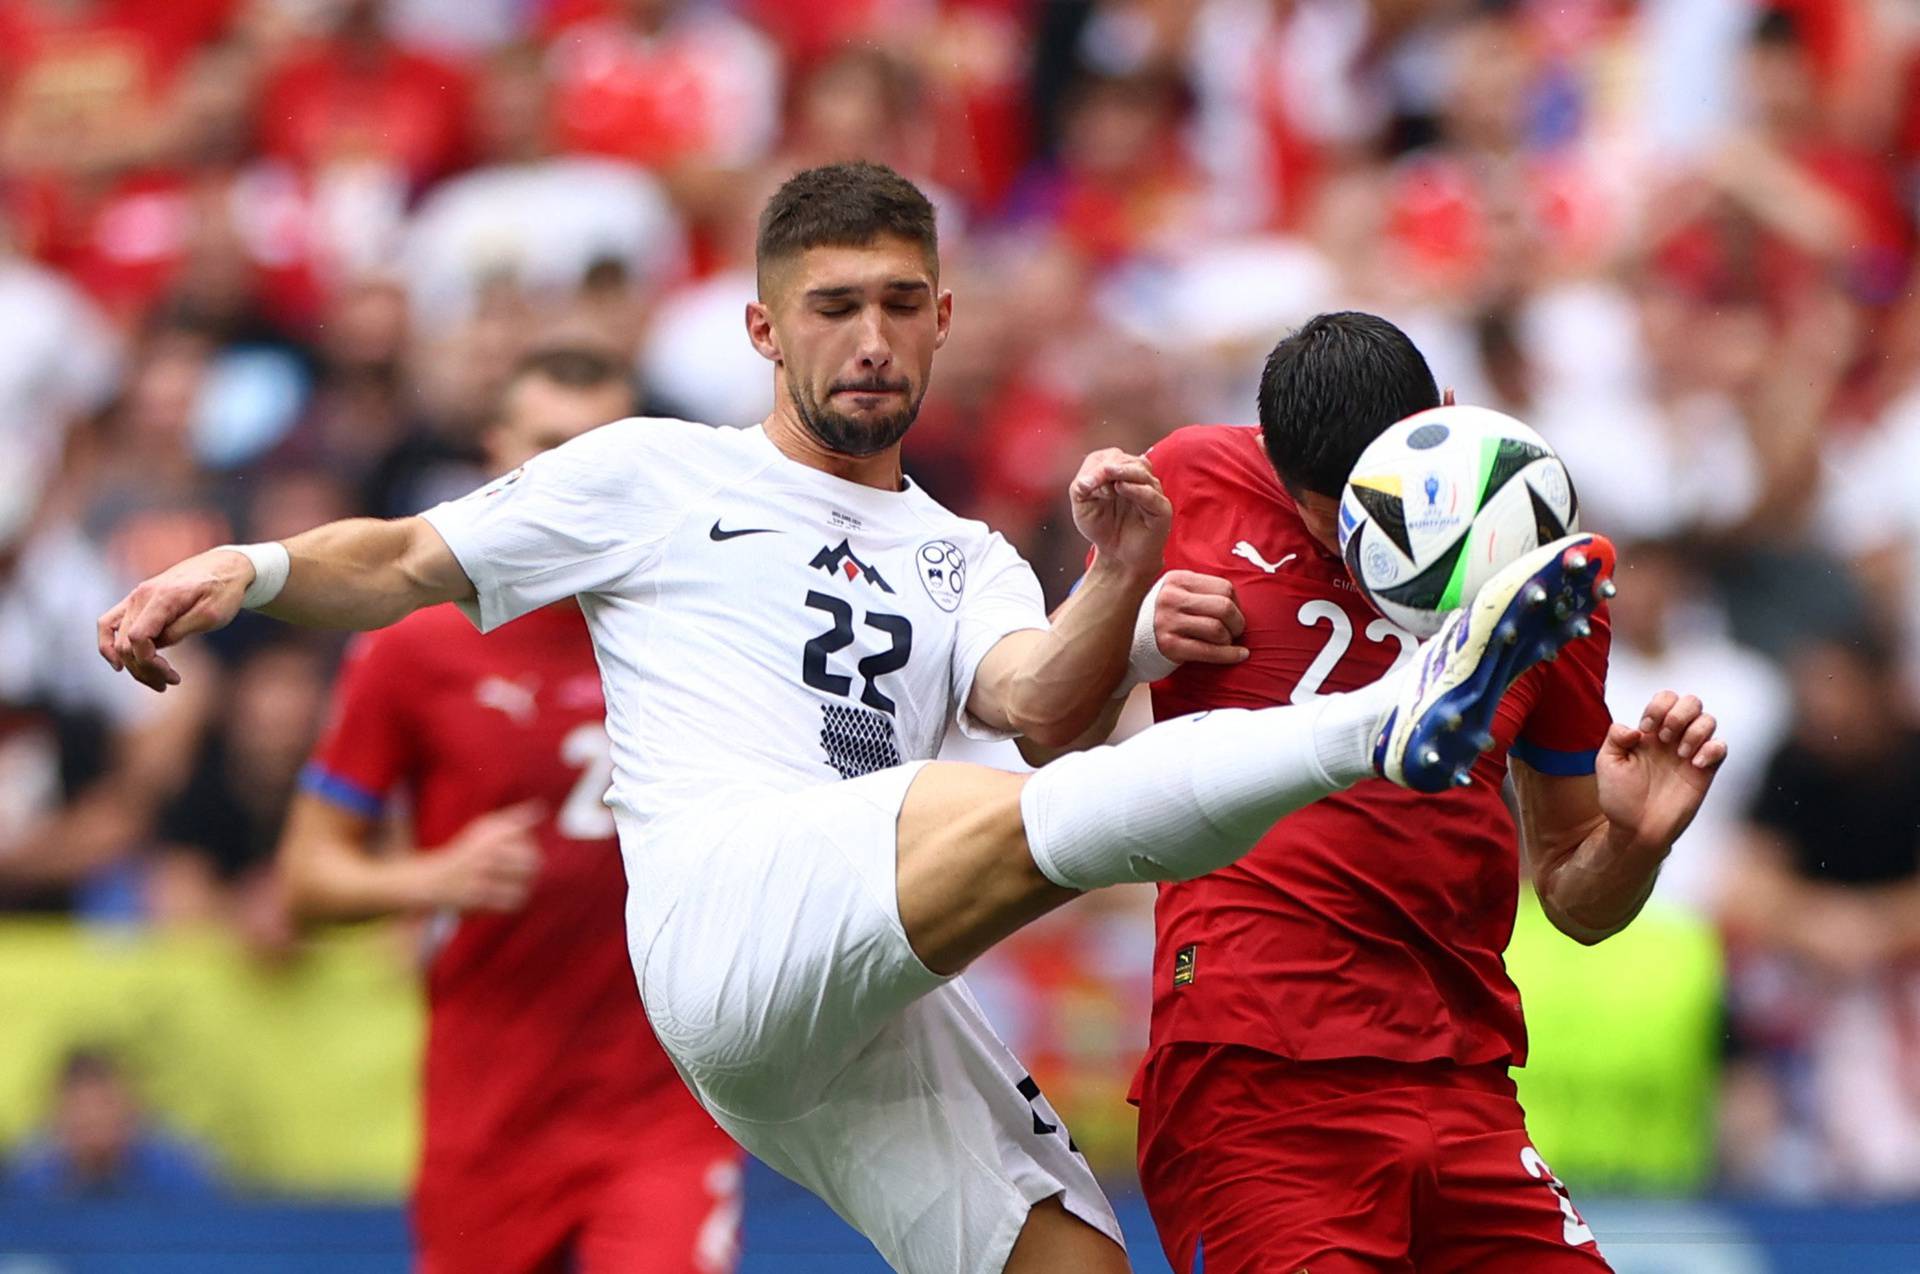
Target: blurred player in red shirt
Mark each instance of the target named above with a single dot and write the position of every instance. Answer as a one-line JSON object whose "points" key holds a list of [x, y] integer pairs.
{"points": [[558, 1137], [1326, 1082]]}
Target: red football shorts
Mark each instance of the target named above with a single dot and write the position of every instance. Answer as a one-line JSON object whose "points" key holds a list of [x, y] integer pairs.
{"points": [[674, 1210], [1253, 1164]]}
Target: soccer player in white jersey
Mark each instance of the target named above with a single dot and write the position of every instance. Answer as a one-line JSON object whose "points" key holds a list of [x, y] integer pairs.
{"points": [[785, 625]]}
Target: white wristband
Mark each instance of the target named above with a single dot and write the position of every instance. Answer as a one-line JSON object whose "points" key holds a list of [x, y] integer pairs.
{"points": [[271, 563], [1144, 661]]}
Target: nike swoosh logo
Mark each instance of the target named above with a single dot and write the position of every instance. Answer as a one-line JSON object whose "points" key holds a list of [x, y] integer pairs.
{"points": [[716, 534]]}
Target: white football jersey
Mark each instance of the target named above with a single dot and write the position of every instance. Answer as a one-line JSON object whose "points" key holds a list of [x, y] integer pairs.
{"points": [[759, 624]]}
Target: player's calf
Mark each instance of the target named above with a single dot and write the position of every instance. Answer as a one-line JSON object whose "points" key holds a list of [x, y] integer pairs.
{"points": [[1191, 795], [981, 852]]}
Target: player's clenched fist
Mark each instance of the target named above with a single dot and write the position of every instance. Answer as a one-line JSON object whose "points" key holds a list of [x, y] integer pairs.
{"points": [[1119, 506], [1197, 620], [491, 864], [197, 595]]}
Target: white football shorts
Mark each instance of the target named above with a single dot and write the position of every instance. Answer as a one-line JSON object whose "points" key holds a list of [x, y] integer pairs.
{"points": [[767, 944]]}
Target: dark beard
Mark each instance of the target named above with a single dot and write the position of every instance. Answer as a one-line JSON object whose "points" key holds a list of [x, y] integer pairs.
{"points": [[846, 436]]}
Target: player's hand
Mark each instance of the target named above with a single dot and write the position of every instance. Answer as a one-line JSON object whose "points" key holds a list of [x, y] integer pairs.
{"points": [[1119, 506], [194, 596], [1197, 621], [491, 864], [1652, 779]]}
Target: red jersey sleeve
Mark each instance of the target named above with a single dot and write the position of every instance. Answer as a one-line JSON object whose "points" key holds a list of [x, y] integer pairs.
{"points": [[1568, 722], [1170, 456], [1166, 457], [369, 745]]}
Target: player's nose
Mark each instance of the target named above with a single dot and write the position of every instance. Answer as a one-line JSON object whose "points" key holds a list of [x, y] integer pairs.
{"points": [[875, 351]]}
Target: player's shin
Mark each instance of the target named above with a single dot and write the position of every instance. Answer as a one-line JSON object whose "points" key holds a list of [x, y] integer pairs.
{"points": [[1191, 795]]}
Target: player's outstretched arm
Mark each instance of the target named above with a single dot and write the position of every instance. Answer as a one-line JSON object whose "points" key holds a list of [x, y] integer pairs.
{"points": [[1596, 841], [360, 573], [1050, 685]]}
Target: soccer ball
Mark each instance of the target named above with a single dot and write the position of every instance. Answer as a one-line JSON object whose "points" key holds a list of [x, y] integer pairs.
{"points": [[1443, 500]]}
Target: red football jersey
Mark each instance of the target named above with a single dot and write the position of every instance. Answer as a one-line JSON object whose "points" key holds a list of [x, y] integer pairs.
{"points": [[1369, 924], [541, 1068]]}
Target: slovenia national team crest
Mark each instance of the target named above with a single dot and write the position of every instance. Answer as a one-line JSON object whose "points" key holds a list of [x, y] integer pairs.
{"points": [[943, 569]]}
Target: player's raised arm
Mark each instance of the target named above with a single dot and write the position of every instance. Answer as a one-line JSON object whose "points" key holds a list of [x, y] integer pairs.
{"points": [[1051, 684], [1596, 841], [358, 573]]}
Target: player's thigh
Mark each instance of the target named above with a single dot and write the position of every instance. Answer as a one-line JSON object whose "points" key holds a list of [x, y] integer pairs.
{"points": [[1055, 1241], [781, 954], [672, 1210], [1254, 1165], [935, 1144], [1497, 1208], [966, 877]]}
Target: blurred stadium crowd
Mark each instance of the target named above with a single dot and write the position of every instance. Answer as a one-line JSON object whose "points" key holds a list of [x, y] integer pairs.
{"points": [[264, 263]]}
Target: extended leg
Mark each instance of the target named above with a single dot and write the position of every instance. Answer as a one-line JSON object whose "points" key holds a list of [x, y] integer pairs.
{"points": [[981, 852]]}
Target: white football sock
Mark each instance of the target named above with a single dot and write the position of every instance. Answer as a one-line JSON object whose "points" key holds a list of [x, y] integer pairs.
{"points": [[1191, 795], [1346, 726]]}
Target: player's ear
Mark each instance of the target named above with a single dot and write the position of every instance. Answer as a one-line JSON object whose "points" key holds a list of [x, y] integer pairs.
{"points": [[760, 331], [942, 318]]}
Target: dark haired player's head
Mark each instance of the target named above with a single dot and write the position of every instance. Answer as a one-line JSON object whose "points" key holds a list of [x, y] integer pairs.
{"points": [[1328, 389], [553, 395], [850, 309]]}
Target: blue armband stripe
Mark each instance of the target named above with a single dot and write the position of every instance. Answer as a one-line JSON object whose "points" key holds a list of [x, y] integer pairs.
{"points": [[1552, 761], [345, 793]]}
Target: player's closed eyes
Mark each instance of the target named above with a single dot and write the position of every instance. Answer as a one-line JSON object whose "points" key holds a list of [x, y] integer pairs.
{"points": [[894, 307]]}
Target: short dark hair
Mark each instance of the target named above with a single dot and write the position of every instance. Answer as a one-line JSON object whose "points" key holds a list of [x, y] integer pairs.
{"points": [[1333, 386], [842, 205]]}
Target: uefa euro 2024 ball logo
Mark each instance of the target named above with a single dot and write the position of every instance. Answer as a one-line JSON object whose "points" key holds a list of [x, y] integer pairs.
{"points": [[1433, 515]]}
